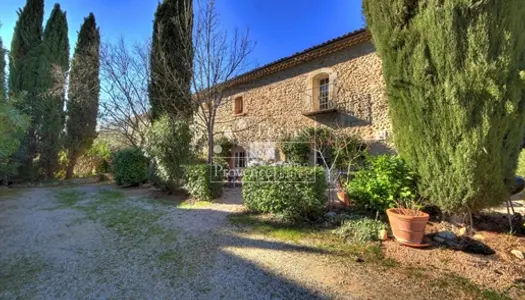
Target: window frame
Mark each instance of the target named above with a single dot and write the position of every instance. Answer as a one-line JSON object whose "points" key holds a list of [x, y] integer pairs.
{"points": [[323, 96], [238, 105], [240, 159]]}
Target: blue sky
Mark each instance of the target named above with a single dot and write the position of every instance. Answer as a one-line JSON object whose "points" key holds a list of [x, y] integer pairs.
{"points": [[280, 27]]}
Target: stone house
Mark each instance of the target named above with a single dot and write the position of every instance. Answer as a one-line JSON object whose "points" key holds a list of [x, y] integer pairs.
{"points": [[337, 84]]}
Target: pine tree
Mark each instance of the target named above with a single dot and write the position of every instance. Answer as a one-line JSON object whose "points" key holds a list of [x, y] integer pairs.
{"points": [[455, 83], [25, 69], [172, 59], [84, 89], [56, 43]]}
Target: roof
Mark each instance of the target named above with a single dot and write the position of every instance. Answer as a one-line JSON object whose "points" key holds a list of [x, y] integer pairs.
{"points": [[326, 48]]}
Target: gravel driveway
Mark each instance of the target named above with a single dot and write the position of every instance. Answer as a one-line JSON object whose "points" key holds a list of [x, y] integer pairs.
{"points": [[99, 242]]}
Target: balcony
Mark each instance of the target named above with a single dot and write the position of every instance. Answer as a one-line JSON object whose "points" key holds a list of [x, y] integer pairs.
{"points": [[321, 100], [324, 107]]}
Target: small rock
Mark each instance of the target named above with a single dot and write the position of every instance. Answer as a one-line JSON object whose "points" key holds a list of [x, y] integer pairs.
{"points": [[330, 214], [447, 235], [518, 254], [383, 235], [463, 231], [478, 237], [439, 239]]}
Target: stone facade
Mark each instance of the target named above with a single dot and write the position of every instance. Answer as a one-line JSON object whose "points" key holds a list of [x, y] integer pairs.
{"points": [[287, 101]]}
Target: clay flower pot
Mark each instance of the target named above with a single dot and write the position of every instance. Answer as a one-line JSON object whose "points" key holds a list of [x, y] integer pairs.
{"points": [[343, 197], [407, 229]]}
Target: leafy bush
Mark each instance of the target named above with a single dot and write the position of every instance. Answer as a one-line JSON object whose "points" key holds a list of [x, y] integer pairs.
{"points": [[169, 147], [295, 149], [95, 160], [361, 230], [386, 180], [339, 149], [520, 171], [296, 193], [202, 181], [130, 167]]}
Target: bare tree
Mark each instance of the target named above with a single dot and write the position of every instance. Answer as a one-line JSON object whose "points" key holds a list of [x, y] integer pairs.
{"points": [[124, 71], [218, 56]]}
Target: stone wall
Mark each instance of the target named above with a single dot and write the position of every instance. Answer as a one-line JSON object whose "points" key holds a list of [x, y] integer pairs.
{"points": [[275, 104]]}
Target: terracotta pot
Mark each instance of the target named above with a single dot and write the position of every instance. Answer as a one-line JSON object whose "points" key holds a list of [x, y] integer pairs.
{"points": [[343, 197], [407, 229]]}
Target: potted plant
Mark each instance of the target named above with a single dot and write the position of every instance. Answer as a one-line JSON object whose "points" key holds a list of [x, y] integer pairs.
{"points": [[342, 195], [408, 223]]}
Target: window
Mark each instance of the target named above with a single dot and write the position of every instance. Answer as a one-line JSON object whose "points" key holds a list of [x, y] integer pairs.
{"points": [[239, 159], [239, 106], [324, 85]]}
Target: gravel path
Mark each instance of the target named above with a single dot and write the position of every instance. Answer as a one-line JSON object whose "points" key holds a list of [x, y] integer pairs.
{"points": [[99, 242]]}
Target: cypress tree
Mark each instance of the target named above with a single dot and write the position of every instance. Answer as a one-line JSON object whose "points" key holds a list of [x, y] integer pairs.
{"points": [[84, 90], [25, 69], [2, 72], [172, 59], [455, 83], [56, 43]]}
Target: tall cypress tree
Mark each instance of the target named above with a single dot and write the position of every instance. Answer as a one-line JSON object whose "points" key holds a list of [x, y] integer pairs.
{"points": [[2, 72], [56, 43], [25, 70], [454, 72], [171, 59], [84, 90]]}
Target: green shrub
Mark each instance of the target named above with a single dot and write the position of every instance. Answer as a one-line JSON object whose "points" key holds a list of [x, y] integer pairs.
{"points": [[295, 149], [130, 167], [520, 171], [296, 193], [169, 147], [339, 149], [202, 182], [361, 230], [386, 180]]}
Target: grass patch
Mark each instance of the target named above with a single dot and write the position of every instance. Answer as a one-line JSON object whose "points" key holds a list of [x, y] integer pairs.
{"points": [[194, 204], [8, 193], [460, 287], [310, 235], [17, 273], [68, 198]]}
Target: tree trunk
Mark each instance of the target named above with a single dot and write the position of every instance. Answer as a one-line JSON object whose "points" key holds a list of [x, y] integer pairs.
{"points": [[71, 166], [210, 145]]}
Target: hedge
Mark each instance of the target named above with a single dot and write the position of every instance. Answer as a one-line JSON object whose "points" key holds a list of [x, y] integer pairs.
{"points": [[296, 193], [202, 182], [130, 167]]}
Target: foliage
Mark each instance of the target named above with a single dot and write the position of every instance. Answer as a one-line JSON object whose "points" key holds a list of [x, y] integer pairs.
{"points": [[202, 181], [361, 230], [171, 50], [95, 160], [520, 171], [130, 167], [295, 149], [12, 127], [84, 89], [454, 72], [387, 180], [296, 193], [56, 43], [3, 90], [26, 68], [339, 150], [169, 148]]}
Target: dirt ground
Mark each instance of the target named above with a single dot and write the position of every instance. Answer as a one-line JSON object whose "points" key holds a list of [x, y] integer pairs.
{"points": [[99, 242]]}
